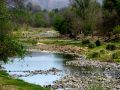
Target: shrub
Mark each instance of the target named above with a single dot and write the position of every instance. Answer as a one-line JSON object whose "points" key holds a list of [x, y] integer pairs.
{"points": [[31, 41], [62, 24], [91, 45], [102, 51], [116, 55], [16, 28], [116, 32], [94, 55], [110, 47], [98, 43], [86, 41]]}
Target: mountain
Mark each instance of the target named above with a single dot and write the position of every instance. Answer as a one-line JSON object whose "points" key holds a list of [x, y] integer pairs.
{"points": [[50, 4]]}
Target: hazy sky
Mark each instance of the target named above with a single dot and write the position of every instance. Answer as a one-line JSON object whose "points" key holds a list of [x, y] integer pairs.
{"points": [[51, 4]]}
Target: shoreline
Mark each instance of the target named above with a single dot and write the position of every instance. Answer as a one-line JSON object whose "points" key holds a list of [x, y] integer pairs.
{"points": [[81, 61], [75, 81]]}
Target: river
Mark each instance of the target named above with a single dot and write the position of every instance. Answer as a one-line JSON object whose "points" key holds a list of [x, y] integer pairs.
{"points": [[42, 61]]}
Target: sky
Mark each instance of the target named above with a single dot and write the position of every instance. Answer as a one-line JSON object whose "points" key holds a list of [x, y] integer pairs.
{"points": [[51, 4]]}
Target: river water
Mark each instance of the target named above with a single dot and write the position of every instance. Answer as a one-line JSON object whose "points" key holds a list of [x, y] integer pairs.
{"points": [[45, 61], [38, 61]]}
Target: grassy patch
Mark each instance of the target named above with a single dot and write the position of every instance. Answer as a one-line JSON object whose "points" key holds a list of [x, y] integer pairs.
{"points": [[92, 47], [102, 54], [62, 42], [9, 83]]}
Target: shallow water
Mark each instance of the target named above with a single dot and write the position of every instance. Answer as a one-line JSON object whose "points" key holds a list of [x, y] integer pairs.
{"points": [[46, 61], [38, 61]]}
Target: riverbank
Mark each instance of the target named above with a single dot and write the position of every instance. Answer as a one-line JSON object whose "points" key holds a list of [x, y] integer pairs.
{"points": [[80, 60], [89, 56], [49, 40], [82, 82], [9, 83]]}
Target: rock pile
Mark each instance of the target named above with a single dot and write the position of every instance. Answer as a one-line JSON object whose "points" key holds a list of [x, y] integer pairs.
{"points": [[57, 48], [89, 63], [69, 82]]}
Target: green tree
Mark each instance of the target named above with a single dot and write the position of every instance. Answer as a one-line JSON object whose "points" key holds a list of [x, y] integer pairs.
{"points": [[87, 10], [40, 20], [63, 23], [116, 33], [18, 3], [110, 16], [8, 45], [58, 20]]}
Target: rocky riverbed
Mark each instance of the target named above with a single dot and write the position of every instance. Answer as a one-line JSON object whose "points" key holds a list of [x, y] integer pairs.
{"points": [[52, 71], [71, 82], [57, 48], [107, 80], [90, 63]]}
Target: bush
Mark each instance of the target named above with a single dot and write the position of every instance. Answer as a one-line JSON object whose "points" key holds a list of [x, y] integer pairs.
{"points": [[86, 41], [31, 41], [116, 55], [63, 24], [91, 45], [98, 43], [94, 55], [111, 47], [102, 51]]}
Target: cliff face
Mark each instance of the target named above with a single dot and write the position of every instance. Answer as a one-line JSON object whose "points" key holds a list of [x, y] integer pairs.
{"points": [[51, 4]]}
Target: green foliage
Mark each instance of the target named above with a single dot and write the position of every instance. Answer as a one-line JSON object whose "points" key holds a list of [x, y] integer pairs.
{"points": [[87, 11], [116, 55], [16, 84], [8, 45], [5, 24], [23, 16], [67, 23], [80, 7], [102, 51], [98, 43], [98, 86], [94, 55], [111, 17], [91, 45], [116, 30], [31, 41], [58, 22], [20, 16], [39, 20], [116, 33], [111, 47], [86, 41], [62, 23]]}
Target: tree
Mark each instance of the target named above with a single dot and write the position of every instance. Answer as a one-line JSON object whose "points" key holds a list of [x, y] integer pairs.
{"points": [[87, 11], [18, 3], [67, 23], [8, 45], [110, 16], [80, 7], [116, 33], [39, 20], [63, 22]]}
